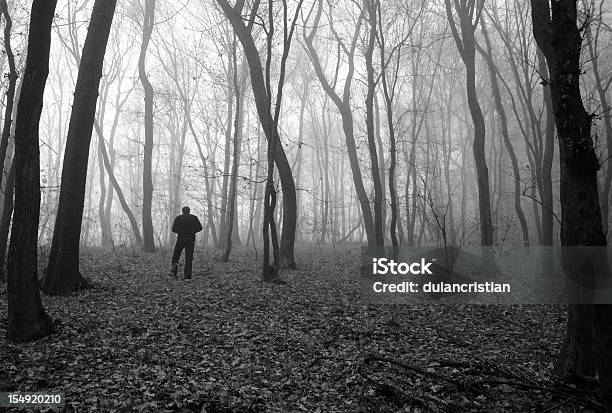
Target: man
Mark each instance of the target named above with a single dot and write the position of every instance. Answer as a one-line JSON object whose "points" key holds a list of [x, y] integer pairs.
{"points": [[185, 226]]}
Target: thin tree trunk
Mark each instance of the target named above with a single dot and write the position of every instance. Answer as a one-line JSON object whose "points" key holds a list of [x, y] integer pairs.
{"points": [[389, 94], [371, 5], [467, 11], [113, 180], [147, 179], [344, 107], [227, 151], [10, 92], [106, 239], [7, 128], [234, 174], [7, 213], [263, 99], [547, 158], [488, 55]]}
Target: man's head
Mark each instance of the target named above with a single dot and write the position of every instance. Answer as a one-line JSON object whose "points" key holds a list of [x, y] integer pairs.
{"points": [[185, 210]]}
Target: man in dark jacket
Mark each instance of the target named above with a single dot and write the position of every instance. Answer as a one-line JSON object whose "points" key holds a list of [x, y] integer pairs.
{"points": [[185, 226]]}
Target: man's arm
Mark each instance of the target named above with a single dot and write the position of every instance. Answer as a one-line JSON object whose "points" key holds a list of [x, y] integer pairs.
{"points": [[174, 225]]}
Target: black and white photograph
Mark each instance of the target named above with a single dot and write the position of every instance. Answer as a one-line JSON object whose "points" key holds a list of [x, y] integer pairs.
{"points": [[243, 206]]}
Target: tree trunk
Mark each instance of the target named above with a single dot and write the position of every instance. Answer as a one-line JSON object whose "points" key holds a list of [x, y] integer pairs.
{"points": [[231, 202], [63, 276], [9, 115], [547, 207], [389, 93], [7, 213], [297, 167], [488, 55], [27, 319], [147, 179], [587, 348], [371, 85], [106, 240], [346, 112], [607, 121], [263, 101], [468, 10], [113, 180], [10, 92], [227, 151]]}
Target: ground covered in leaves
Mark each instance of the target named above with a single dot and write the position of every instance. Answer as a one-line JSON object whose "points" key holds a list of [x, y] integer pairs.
{"points": [[223, 341]]}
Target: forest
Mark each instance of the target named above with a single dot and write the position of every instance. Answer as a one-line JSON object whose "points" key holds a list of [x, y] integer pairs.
{"points": [[299, 134]]}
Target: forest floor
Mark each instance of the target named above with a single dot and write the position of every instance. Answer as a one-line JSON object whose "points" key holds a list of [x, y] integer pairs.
{"points": [[223, 341]]}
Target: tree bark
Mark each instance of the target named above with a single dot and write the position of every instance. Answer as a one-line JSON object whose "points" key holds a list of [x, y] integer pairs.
{"points": [[499, 107], [388, 86], [588, 344], [27, 319], [113, 180], [371, 6], [62, 275], [263, 101], [147, 179], [469, 12], [607, 121], [223, 218], [7, 128], [231, 203], [7, 213], [346, 112], [546, 192], [10, 92]]}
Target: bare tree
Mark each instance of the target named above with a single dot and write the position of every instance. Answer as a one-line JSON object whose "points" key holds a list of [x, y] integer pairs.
{"points": [[7, 209], [231, 204], [501, 113], [62, 275], [371, 7], [147, 179], [261, 86], [556, 32], [468, 14], [27, 319], [344, 106]]}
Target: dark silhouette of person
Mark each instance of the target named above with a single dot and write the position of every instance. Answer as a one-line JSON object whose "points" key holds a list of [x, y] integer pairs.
{"points": [[186, 226]]}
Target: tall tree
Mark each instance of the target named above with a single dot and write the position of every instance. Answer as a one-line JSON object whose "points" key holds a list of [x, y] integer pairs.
{"points": [[231, 203], [63, 275], [503, 126], [116, 186], [469, 13], [147, 178], [12, 78], [7, 210], [557, 35], [27, 319], [372, 11], [344, 105], [592, 32], [388, 86], [263, 104]]}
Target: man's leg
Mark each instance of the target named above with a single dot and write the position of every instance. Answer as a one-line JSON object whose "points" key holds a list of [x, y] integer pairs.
{"points": [[188, 258], [178, 248]]}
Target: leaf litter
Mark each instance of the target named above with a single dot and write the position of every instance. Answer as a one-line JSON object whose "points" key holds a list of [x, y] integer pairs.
{"points": [[225, 342]]}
